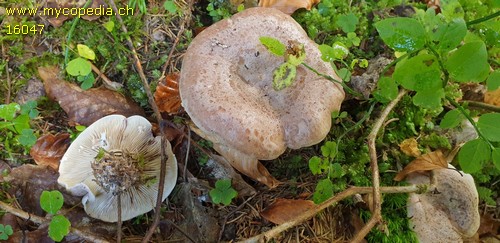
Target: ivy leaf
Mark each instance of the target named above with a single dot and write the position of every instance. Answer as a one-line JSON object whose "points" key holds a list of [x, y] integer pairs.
{"points": [[8, 112], [223, 192], [79, 67], [336, 170], [273, 45], [336, 52], [27, 138], [451, 119], [5, 231], [59, 227], [473, 155], [429, 99], [284, 76], [314, 165], [451, 34], [493, 81], [488, 125], [348, 22], [387, 89], [85, 52], [329, 149], [323, 191], [495, 155], [419, 73], [401, 34], [87, 81], [170, 6], [51, 201], [469, 63]]}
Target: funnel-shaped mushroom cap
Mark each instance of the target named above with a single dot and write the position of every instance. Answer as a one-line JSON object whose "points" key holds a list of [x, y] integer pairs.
{"points": [[226, 87], [117, 155], [449, 214]]}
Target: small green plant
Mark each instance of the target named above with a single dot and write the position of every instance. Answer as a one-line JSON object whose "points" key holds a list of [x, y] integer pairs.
{"points": [[5, 231], [223, 192], [81, 67], [51, 202], [141, 4], [15, 128], [78, 129]]}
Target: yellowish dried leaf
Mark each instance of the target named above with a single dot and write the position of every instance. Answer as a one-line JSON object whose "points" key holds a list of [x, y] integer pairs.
{"points": [[492, 97], [427, 162], [288, 6], [410, 147], [284, 210]]}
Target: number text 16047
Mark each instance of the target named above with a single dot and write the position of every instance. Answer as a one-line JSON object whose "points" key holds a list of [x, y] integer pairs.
{"points": [[24, 29]]}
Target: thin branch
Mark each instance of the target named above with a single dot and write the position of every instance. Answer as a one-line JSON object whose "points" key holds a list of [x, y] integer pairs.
{"points": [[40, 220], [147, 89], [231, 213], [481, 105], [377, 208], [106, 81], [268, 235], [120, 222]]}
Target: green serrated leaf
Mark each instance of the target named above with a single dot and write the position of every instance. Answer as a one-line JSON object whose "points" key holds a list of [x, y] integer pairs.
{"points": [[110, 25], [314, 165], [85, 52], [170, 6], [486, 194], [79, 67], [387, 88], [419, 73], [337, 51], [336, 170], [323, 191], [452, 119], [473, 155], [273, 45], [488, 125], [223, 192], [329, 149], [21, 122], [27, 138], [493, 81], [402, 34], [284, 76], [348, 22], [8, 112], [59, 227], [429, 99], [469, 63], [51, 201], [495, 155]]}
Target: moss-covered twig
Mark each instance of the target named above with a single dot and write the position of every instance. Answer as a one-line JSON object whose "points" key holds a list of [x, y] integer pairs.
{"points": [[377, 208], [40, 220]]}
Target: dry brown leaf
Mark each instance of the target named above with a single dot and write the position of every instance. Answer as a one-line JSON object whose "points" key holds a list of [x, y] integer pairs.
{"points": [[426, 162], [492, 97], [489, 225], [49, 149], [167, 96], [85, 106], [288, 6], [284, 210], [410, 147], [435, 4]]}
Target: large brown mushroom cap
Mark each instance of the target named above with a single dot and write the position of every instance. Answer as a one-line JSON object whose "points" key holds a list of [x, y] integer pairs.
{"points": [[226, 87], [125, 135]]}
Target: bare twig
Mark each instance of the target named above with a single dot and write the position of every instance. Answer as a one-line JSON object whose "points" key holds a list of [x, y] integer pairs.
{"points": [[377, 209], [106, 81], [40, 220], [231, 213], [147, 89], [266, 236], [119, 227]]}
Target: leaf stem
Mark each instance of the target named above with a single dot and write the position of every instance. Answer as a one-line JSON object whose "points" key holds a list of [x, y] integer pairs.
{"points": [[469, 118], [483, 19], [349, 90]]}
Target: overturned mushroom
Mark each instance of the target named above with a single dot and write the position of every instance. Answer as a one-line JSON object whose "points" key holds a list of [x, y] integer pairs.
{"points": [[448, 214], [226, 88], [117, 155]]}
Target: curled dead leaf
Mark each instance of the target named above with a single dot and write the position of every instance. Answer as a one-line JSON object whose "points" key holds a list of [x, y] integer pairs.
{"points": [[167, 96], [85, 106], [49, 149], [410, 147], [284, 210], [492, 97], [288, 6], [430, 161]]}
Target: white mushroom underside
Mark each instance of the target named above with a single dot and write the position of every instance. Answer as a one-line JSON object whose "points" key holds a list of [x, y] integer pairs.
{"points": [[115, 132]]}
